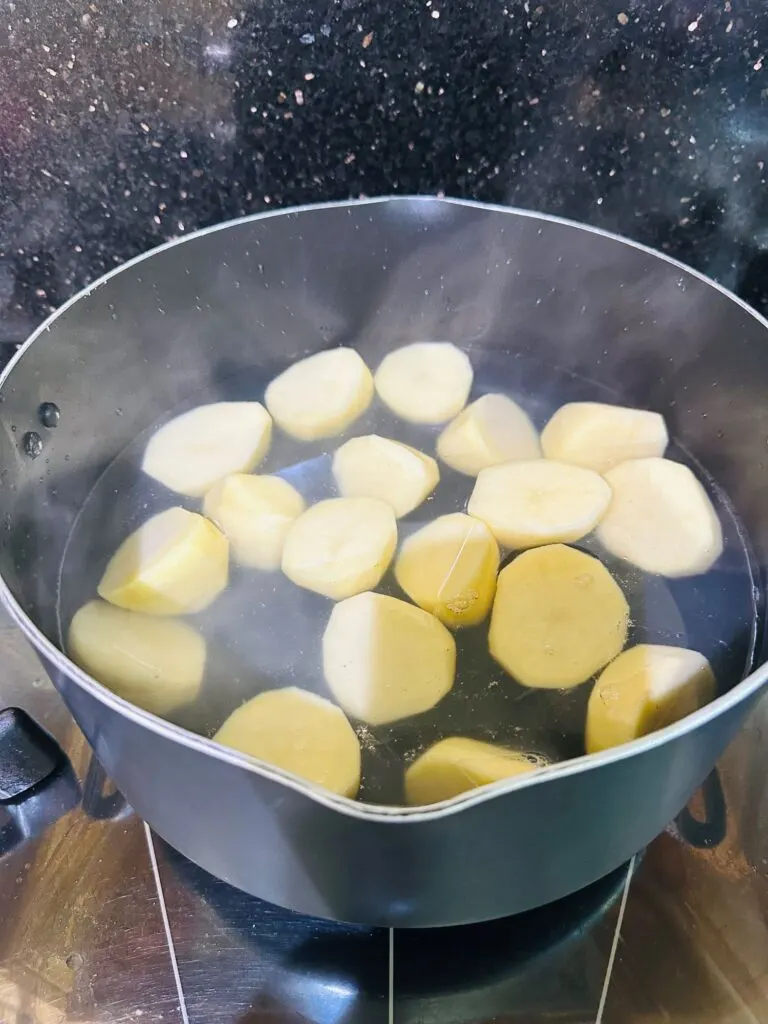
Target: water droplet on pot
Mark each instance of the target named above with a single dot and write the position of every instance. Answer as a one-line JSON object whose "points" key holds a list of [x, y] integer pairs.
{"points": [[49, 414], [32, 444]]}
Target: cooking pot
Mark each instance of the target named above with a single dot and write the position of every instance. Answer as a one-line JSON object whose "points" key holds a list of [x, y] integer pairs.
{"points": [[530, 297]]}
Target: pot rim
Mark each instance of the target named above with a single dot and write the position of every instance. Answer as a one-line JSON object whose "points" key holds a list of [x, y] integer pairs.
{"points": [[351, 808]]}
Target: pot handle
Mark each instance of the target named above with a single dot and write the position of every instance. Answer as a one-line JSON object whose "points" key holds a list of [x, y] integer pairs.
{"points": [[710, 830]]}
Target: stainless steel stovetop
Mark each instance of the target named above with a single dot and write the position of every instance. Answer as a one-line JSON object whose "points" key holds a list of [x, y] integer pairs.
{"points": [[101, 923]]}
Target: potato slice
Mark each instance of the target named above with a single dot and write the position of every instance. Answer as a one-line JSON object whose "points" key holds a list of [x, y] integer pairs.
{"points": [[539, 502], [157, 664], [385, 659], [644, 689], [426, 382], [177, 562], [457, 765], [376, 467], [449, 567], [299, 732], [491, 430], [341, 546], [660, 519], [192, 452], [559, 617], [255, 513], [321, 395], [598, 436]]}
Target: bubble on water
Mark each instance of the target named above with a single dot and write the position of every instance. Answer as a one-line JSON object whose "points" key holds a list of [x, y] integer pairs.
{"points": [[49, 414], [32, 444]]}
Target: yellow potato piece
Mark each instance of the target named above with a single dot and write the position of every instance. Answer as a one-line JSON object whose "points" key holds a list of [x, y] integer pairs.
{"points": [[376, 467], [194, 451], [385, 659], [426, 382], [599, 436], [457, 765], [157, 664], [321, 395], [660, 519], [255, 513], [646, 688], [449, 567], [299, 732], [491, 430], [341, 546], [541, 502], [177, 562], [559, 617]]}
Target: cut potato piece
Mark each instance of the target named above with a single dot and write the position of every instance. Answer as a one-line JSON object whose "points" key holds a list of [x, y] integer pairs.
{"points": [[177, 562], [449, 567], [255, 513], [426, 382], [299, 732], [341, 546], [661, 519], [385, 659], [559, 617], [541, 502], [321, 395], [194, 451], [157, 664], [376, 467], [599, 436], [644, 689], [457, 765], [492, 430]]}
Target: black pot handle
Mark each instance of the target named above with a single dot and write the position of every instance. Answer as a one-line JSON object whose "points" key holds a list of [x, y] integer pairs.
{"points": [[709, 831]]}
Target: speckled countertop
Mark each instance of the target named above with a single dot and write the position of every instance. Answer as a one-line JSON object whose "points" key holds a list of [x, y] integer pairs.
{"points": [[126, 124]]}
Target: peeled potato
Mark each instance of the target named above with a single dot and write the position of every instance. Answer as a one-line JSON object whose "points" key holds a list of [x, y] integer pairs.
{"points": [[644, 689], [299, 732], [599, 436], [661, 519], [426, 382], [385, 659], [376, 467], [457, 765], [194, 451], [449, 567], [255, 513], [559, 617], [541, 502], [320, 395], [492, 430], [177, 562], [157, 664], [341, 547]]}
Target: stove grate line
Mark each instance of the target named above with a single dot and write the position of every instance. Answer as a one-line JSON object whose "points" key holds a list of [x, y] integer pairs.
{"points": [[166, 925], [391, 984], [615, 943]]}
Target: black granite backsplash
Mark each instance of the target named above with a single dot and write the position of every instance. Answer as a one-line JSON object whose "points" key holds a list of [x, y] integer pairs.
{"points": [[124, 124]]}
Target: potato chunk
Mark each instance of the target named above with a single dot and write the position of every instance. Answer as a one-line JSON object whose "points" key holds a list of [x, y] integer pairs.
{"points": [[598, 436], [644, 689], [449, 567], [457, 765], [321, 395], [255, 513], [541, 502], [177, 562], [192, 452], [426, 382], [299, 732], [341, 546], [661, 519], [559, 617], [491, 430], [385, 659], [157, 664], [376, 467]]}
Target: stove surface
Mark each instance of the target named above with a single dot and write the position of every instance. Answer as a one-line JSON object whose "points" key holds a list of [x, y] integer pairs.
{"points": [[103, 923]]}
